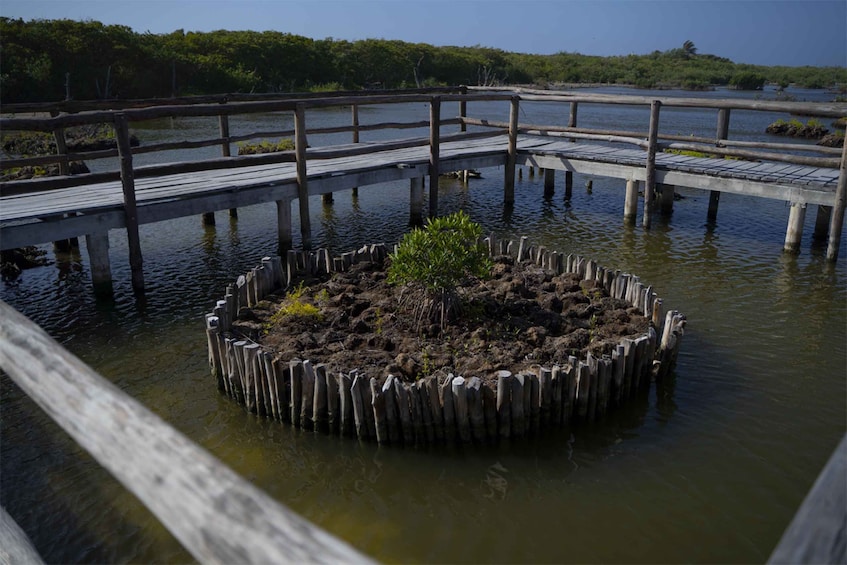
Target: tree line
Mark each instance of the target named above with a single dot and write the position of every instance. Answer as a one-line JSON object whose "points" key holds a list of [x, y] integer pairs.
{"points": [[51, 60]]}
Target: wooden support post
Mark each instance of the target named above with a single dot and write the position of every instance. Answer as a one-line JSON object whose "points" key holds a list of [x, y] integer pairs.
{"points": [[98, 256], [574, 106], [511, 159], [722, 133], [549, 182], [354, 109], [326, 198], [822, 223], [300, 145], [434, 152], [463, 127], [794, 233], [837, 221], [416, 201], [223, 127], [630, 207], [283, 218], [666, 201], [568, 184], [714, 200], [650, 183], [64, 245], [209, 219], [130, 212]]}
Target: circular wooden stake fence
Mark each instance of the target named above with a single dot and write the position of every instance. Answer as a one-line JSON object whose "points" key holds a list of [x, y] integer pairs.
{"points": [[456, 409]]}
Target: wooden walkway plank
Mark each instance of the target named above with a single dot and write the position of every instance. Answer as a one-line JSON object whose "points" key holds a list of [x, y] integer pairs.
{"points": [[326, 175]]}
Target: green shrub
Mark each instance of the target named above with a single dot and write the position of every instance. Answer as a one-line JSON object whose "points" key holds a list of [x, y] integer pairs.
{"points": [[747, 80], [434, 261]]}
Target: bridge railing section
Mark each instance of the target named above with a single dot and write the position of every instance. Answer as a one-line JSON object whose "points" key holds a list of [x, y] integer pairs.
{"points": [[218, 516], [652, 141]]}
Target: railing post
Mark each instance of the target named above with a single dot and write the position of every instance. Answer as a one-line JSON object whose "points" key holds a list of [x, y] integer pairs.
{"points": [[300, 145], [463, 111], [650, 182], [837, 218], [722, 133], [355, 111], [223, 125], [130, 210], [569, 174], [434, 153], [509, 188]]}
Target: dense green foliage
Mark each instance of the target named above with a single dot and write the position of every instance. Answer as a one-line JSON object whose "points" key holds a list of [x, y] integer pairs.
{"points": [[45, 60], [747, 80], [435, 260]]}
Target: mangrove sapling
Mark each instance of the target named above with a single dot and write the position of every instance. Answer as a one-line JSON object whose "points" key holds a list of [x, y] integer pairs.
{"points": [[433, 262]]}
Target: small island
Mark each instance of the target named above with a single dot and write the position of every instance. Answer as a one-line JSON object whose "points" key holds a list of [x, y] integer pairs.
{"points": [[501, 339]]}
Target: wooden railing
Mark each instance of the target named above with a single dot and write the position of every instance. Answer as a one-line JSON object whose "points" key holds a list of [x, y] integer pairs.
{"points": [[217, 515], [818, 532], [652, 141]]}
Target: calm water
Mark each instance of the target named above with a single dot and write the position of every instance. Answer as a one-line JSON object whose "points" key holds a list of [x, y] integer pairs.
{"points": [[710, 469]]}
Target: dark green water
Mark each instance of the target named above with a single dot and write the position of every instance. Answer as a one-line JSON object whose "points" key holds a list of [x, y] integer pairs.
{"points": [[710, 469]]}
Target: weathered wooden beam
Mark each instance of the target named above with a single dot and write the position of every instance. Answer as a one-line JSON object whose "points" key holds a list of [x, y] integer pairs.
{"points": [[816, 533], [15, 546], [218, 516]]}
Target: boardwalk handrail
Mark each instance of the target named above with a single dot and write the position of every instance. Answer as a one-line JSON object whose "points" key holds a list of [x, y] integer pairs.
{"points": [[818, 532], [217, 515], [303, 153]]}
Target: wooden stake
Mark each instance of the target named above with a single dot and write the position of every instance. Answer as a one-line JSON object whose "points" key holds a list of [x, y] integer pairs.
{"points": [[504, 404]]}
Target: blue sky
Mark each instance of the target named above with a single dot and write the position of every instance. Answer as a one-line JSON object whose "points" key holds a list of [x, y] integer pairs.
{"points": [[762, 32]]}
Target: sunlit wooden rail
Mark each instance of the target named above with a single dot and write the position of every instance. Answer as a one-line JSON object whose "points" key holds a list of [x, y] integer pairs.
{"points": [[217, 515], [818, 532], [42, 210]]}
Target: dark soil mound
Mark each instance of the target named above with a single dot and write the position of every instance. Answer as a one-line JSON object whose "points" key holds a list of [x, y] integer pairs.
{"points": [[522, 316]]}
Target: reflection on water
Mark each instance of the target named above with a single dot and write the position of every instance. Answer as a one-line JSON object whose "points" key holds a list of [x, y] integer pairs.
{"points": [[710, 466]]}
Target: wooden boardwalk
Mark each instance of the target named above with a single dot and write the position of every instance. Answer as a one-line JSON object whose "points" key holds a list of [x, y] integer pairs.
{"points": [[56, 209], [40, 217]]}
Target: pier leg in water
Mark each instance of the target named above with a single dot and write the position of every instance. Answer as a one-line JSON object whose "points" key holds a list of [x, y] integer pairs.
{"points": [[822, 224], [630, 207], [666, 198], [549, 182], [283, 217], [98, 255], [794, 233], [209, 219], [416, 201], [233, 213], [326, 198], [568, 184], [714, 200]]}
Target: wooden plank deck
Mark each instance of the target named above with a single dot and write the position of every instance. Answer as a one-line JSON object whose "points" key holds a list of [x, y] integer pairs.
{"points": [[38, 217]]}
